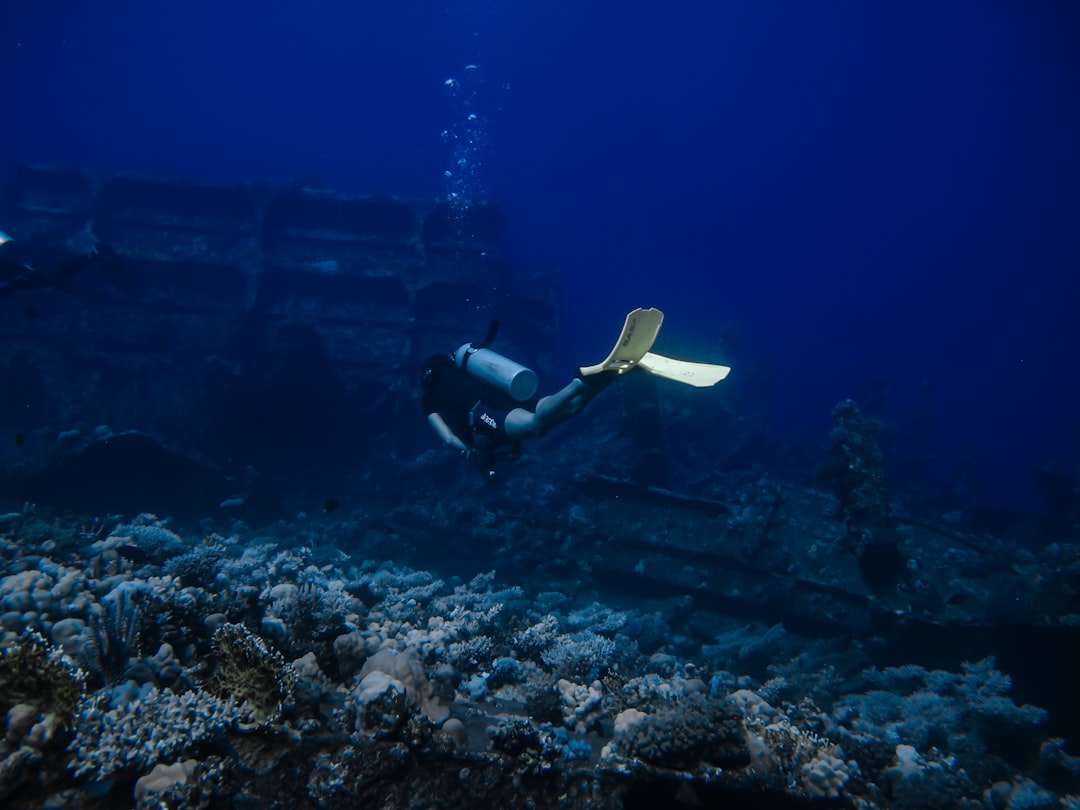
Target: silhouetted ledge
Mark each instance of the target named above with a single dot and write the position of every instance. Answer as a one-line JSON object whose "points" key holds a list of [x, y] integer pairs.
{"points": [[128, 473]]}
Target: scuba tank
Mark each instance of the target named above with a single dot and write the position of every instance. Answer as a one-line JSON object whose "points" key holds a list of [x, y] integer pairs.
{"points": [[499, 372]]}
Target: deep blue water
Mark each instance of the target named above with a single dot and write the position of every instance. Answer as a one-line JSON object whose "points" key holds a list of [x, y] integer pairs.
{"points": [[824, 195]]}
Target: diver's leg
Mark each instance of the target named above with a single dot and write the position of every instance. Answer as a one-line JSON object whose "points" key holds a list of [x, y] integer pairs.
{"points": [[556, 408]]}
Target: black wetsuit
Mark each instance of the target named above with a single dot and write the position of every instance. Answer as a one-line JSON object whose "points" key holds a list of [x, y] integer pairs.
{"points": [[468, 407]]}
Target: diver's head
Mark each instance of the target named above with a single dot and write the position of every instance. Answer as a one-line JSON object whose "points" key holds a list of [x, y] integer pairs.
{"points": [[427, 371]]}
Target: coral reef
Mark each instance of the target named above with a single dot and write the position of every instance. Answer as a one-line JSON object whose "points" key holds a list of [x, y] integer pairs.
{"points": [[401, 680]]}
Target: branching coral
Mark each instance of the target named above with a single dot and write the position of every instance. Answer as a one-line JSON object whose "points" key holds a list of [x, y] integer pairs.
{"points": [[967, 717], [158, 727], [582, 654]]}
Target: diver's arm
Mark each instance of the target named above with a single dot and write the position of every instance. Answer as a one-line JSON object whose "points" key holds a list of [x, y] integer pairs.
{"points": [[445, 433]]}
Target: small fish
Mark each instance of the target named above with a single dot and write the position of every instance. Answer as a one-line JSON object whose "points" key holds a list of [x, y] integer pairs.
{"points": [[19, 439], [331, 505]]}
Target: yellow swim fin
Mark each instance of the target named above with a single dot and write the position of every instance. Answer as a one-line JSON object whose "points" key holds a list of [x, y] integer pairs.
{"points": [[638, 335], [699, 375]]}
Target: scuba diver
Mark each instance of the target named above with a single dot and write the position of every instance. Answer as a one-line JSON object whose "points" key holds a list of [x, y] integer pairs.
{"points": [[480, 403], [41, 263]]}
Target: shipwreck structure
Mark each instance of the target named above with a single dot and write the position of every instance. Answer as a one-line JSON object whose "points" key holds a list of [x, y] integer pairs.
{"points": [[273, 325]]}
